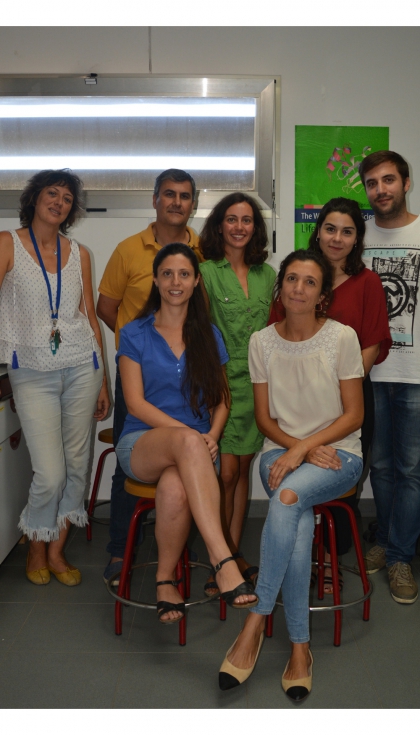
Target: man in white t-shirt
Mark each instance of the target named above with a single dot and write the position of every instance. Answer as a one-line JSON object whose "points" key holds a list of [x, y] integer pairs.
{"points": [[393, 252]]}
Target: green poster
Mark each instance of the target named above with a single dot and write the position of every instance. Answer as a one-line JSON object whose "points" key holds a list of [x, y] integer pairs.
{"points": [[327, 162]]}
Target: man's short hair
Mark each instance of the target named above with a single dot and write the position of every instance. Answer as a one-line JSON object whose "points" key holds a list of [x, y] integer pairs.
{"points": [[379, 157], [174, 174]]}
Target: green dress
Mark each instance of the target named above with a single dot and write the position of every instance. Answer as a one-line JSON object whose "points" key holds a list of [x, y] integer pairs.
{"points": [[237, 318]]}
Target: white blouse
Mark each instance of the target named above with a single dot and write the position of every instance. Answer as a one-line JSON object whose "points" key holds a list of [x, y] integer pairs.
{"points": [[304, 379], [25, 317]]}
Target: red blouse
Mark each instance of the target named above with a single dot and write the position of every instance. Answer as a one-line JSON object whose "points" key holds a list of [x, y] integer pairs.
{"points": [[360, 303]]}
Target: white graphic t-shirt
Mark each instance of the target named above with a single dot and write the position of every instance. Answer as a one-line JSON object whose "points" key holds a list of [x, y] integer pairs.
{"points": [[394, 254]]}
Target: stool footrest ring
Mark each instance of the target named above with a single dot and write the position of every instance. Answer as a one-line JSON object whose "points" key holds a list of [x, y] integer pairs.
{"points": [[344, 605]]}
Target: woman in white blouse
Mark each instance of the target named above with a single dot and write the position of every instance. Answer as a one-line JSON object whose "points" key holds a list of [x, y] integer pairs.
{"points": [[307, 373]]}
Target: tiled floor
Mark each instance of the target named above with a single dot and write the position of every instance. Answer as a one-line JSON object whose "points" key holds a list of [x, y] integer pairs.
{"points": [[64, 638]]}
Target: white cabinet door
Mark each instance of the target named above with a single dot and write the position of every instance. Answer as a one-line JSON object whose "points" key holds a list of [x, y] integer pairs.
{"points": [[15, 479], [9, 420]]}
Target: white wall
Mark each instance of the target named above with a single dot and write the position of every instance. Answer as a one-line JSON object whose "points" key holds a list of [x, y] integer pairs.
{"points": [[329, 76]]}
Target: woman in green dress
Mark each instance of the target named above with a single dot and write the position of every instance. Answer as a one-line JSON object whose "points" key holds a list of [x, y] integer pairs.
{"points": [[239, 286]]}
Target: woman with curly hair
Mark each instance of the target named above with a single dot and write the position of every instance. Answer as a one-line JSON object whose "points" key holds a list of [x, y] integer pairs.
{"points": [[51, 341], [239, 285]]}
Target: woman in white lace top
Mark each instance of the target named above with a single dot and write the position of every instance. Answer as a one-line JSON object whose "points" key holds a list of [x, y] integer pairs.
{"points": [[51, 341], [307, 373]]}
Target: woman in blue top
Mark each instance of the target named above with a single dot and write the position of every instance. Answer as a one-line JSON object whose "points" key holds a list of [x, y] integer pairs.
{"points": [[170, 360]]}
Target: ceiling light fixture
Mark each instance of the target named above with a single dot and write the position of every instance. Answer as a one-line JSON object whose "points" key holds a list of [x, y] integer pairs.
{"points": [[125, 109], [127, 163]]}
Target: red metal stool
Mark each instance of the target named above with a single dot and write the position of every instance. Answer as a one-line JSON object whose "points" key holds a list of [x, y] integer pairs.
{"points": [[337, 607], [146, 502], [104, 436]]}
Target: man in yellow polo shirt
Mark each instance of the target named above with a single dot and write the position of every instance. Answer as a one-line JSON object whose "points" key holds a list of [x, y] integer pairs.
{"points": [[124, 289]]}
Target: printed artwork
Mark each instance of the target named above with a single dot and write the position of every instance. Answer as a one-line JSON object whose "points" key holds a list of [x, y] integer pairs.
{"points": [[327, 160], [398, 270]]}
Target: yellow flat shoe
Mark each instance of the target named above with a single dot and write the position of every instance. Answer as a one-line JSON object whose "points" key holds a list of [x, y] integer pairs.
{"points": [[38, 576], [230, 676], [298, 689], [71, 577]]}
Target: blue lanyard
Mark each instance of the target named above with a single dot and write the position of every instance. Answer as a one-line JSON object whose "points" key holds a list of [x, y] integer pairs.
{"points": [[44, 272]]}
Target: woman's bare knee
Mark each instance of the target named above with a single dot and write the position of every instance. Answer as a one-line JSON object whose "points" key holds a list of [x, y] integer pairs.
{"points": [[160, 449], [191, 441], [245, 465], [288, 497], [229, 479], [229, 470]]}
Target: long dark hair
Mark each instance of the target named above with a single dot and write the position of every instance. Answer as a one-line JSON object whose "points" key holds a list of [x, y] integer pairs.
{"points": [[42, 179], [326, 270], [204, 380], [211, 239], [354, 262]]}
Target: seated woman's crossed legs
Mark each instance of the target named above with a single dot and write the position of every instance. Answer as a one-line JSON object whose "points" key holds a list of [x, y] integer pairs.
{"points": [[178, 459]]}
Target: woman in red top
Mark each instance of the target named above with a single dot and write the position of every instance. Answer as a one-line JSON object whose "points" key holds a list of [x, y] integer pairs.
{"points": [[359, 302]]}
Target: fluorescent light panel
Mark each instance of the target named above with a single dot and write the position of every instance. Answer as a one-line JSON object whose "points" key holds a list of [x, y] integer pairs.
{"points": [[127, 163], [147, 109]]}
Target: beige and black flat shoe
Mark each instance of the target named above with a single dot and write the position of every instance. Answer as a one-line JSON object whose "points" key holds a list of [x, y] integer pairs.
{"points": [[230, 676], [298, 689]]}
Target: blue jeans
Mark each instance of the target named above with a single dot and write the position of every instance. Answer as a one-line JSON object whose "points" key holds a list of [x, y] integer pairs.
{"points": [[56, 410], [122, 503], [395, 468], [286, 541]]}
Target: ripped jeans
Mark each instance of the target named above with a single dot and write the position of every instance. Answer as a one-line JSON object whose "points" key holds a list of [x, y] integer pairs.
{"points": [[286, 541]]}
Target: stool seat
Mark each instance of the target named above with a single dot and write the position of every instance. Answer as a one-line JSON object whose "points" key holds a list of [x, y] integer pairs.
{"points": [[349, 493], [140, 489], [106, 436]]}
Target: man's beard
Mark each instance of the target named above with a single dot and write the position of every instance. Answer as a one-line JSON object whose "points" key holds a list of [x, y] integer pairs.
{"points": [[397, 208]]}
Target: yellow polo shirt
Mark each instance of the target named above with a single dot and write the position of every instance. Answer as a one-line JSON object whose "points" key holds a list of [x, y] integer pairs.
{"points": [[128, 274]]}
